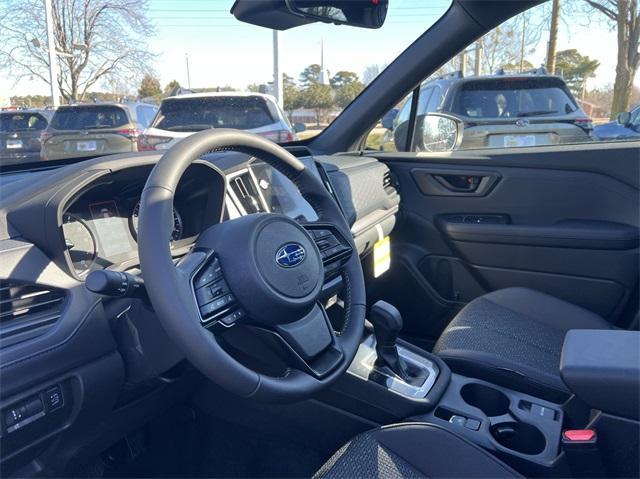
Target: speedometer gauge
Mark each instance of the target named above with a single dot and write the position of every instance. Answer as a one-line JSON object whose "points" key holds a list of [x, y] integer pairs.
{"points": [[80, 243], [176, 234]]}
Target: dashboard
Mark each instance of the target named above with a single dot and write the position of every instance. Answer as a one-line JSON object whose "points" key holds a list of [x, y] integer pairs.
{"points": [[99, 224], [107, 358]]}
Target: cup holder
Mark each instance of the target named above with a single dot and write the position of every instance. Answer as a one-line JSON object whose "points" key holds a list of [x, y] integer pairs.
{"points": [[520, 437], [489, 400]]}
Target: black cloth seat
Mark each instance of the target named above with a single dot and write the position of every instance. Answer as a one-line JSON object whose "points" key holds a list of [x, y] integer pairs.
{"points": [[514, 337], [412, 450]]}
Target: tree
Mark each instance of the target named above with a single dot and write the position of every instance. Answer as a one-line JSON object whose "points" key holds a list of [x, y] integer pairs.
{"points": [[553, 37], [149, 86], [526, 65], [624, 14], [319, 98], [510, 43], [100, 40], [575, 69], [311, 75], [170, 87], [292, 96], [347, 86]]}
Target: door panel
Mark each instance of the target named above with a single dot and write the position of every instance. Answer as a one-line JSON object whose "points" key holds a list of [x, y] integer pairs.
{"points": [[562, 220]]}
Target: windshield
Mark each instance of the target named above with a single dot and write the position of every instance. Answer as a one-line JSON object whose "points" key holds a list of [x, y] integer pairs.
{"points": [[518, 97], [172, 53], [195, 114], [88, 118]]}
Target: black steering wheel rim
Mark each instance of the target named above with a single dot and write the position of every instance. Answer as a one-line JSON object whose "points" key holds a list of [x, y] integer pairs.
{"points": [[169, 287]]}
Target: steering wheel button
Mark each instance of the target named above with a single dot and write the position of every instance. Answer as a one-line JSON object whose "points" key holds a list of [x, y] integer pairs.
{"points": [[204, 295], [207, 310]]}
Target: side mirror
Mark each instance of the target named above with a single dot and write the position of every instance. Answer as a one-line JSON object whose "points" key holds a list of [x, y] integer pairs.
{"points": [[298, 127], [438, 132], [624, 118]]}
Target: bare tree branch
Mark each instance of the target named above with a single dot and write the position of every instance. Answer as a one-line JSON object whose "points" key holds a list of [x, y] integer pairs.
{"points": [[113, 34]]}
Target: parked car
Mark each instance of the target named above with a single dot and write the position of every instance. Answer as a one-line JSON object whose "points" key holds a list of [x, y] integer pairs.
{"points": [[502, 110], [95, 129], [20, 134], [182, 115], [626, 127]]}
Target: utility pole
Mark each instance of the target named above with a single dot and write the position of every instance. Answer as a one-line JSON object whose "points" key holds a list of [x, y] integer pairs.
{"points": [[522, 41], [53, 59], [322, 61], [478, 58], [277, 75], [186, 56], [553, 37]]}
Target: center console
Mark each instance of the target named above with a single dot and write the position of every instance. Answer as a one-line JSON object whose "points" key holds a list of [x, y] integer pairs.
{"points": [[392, 381]]}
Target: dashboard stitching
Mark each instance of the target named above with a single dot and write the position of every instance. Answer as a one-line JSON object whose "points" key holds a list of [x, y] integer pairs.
{"points": [[57, 346]]}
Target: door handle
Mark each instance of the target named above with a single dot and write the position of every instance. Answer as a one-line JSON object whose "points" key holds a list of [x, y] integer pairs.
{"points": [[460, 183]]}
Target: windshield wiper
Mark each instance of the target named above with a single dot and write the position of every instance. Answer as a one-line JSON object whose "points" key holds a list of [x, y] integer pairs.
{"points": [[195, 127], [98, 127], [536, 113]]}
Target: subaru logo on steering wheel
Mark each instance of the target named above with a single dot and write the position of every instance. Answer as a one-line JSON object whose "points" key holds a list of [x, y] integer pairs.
{"points": [[290, 255]]}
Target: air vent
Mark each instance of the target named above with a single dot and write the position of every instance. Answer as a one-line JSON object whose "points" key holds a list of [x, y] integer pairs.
{"points": [[246, 192], [26, 308]]}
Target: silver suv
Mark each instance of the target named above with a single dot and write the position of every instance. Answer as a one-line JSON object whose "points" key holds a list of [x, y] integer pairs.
{"points": [[182, 115], [503, 110]]}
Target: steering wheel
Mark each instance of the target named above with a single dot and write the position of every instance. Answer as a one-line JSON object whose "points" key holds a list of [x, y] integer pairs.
{"points": [[262, 270]]}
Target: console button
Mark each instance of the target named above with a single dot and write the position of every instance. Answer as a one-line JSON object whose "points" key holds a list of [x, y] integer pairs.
{"points": [[458, 420], [472, 424], [14, 415], [34, 406], [543, 412], [53, 398]]}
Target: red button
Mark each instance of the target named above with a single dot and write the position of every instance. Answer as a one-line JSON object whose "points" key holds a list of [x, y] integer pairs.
{"points": [[579, 435]]}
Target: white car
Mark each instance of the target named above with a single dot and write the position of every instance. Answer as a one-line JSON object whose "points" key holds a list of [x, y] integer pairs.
{"points": [[182, 115]]}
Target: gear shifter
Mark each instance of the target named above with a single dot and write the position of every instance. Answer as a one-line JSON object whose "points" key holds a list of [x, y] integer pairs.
{"points": [[387, 323]]}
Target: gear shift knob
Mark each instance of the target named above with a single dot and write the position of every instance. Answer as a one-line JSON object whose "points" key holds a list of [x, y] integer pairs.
{"points": [[387, 323]]}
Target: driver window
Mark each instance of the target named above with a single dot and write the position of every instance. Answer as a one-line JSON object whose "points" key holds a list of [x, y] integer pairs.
{"points": [[512, 89]]}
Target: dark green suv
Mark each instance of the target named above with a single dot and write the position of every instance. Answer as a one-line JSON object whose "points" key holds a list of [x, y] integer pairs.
{"points": [[502, 110]]}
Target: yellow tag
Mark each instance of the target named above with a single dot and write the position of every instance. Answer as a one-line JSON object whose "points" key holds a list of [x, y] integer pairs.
{"points": [[381, 256]]}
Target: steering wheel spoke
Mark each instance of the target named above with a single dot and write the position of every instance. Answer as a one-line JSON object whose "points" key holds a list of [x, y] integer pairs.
{"points": [[311, 342], [218, 307], [335, 250]]}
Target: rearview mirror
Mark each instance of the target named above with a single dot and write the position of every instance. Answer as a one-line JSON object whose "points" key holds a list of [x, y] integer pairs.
{"points": [[357, 13], [299, 127], [624, 118], [438, 132]]}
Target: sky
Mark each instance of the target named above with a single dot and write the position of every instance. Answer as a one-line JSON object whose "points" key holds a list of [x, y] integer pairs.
{"points": [[223, 51]]}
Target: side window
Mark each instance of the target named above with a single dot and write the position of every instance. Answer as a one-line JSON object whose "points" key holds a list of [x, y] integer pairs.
{"points": [[435, 100], [423, 101], [383, 136], [526, 84]]}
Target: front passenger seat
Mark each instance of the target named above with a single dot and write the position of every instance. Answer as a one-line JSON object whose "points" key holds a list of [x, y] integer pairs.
{"points": [[514, 337], [412, 450]]}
